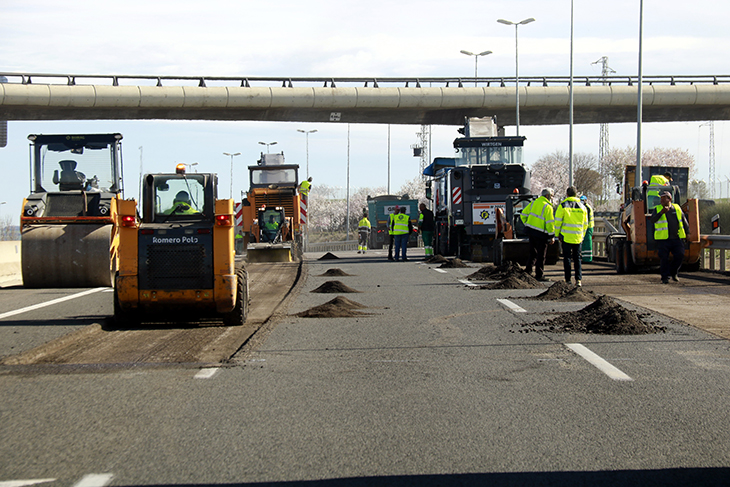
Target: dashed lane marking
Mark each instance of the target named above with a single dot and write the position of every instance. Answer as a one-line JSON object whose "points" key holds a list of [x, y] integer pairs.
{"points": [[95, 480], [598, 362], [441, 271], [207, 372], [467, 282], [511, 305], [50, 303], [23, 483]]}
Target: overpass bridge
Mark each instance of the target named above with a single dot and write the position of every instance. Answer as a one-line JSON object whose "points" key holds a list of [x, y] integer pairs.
{"points": [[438, 101]]}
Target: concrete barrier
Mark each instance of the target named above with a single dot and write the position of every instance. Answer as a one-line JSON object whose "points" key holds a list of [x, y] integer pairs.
{"points": [[10, 261]]}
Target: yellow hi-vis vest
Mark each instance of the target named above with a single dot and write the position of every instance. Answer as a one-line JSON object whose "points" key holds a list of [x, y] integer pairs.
{"points": [[304, 187], [364, 224], [401, 224], [571, 220], [390, 223], [538, 215], [661, 226]]}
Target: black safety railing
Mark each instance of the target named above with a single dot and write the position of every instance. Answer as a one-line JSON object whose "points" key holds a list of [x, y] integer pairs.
{"points": [[334, 82]]}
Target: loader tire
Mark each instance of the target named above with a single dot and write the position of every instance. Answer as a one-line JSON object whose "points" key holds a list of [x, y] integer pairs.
{"points": [[237, 316], [124, 319]]}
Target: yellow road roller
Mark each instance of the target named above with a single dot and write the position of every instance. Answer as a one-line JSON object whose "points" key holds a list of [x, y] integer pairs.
{"points": [[68, 233]]}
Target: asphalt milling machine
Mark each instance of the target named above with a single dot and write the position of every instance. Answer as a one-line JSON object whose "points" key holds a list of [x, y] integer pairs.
{"points": [[177, 259], [68, 232]]}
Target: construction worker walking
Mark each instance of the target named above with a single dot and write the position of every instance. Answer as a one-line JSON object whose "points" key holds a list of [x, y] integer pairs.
{"points": [[402, 228], [587, 246], [571, 223], [538, 220], [670, 229], [363, 230]]}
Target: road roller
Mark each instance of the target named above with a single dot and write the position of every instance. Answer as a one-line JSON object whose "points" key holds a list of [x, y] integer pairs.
{"points": [[177, 257], [68, 232]]}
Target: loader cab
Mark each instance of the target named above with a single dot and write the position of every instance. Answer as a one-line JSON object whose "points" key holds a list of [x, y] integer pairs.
{"points": [[271, 223], [179, 197]]}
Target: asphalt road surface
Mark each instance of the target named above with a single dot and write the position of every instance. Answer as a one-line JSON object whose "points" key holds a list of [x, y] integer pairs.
{"points": [[436, 384]]}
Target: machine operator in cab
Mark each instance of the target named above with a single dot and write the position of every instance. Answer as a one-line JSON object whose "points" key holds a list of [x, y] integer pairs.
{"points": [[181, 205]]}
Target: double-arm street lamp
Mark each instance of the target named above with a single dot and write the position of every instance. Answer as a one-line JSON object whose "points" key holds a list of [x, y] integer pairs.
{"points": [[306, 133], [267, 145], [517, 67], [476, 58], [232, 156]]}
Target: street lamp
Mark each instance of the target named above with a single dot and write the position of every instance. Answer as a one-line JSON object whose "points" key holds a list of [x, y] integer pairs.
{"points": [[517, 67], [267, 145], [232, 156], [306, 133], [476, 57]]}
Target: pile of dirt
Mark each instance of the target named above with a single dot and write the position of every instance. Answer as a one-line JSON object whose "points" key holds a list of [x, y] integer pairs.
{"points": [[564, 291], [340, 307], [334, 287], [604, 316], [508, 276], [491, 272], [328, 256], [453, 264], [334, 272]]}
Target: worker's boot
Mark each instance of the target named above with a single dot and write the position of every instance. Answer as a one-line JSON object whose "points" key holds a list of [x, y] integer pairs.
{"points": [[578, 283]]}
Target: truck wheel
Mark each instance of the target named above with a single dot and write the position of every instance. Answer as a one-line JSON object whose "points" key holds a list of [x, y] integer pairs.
{"points": [[237, 316], [618, 257]]}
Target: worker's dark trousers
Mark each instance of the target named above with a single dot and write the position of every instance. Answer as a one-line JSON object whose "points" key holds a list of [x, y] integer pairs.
{"points": [[390, 246], [571, 252], [538, 252], [674, 246]]}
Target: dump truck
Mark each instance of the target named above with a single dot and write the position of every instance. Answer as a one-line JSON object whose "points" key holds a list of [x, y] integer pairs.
{"points": [[379, 210], [177, 257], [68, 231], [468, 190], [633, 246], [272, 223]]}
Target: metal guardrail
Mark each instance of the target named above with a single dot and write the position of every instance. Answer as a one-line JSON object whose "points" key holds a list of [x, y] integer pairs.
{"points": [[331, 246], [334, 82]]}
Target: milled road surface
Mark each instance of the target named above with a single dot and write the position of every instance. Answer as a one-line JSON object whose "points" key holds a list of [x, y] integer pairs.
{"points": [[195, 344]]}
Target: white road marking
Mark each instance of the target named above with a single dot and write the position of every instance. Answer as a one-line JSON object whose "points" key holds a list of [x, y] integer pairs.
{"points": [[23, 483], [598, 362], [50, 303], [95, 480], [467, 282], [511, 305], [441, 271], [207, 372]]}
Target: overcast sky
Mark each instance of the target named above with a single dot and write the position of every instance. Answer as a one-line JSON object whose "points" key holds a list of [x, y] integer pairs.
{"points": [[347, 38]]}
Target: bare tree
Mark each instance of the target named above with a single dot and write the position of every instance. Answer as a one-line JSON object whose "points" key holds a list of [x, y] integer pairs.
{"points": [[552, 171], [8, 231]]}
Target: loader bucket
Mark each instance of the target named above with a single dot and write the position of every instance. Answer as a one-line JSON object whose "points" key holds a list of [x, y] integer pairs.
{"points": [[268, 253]]}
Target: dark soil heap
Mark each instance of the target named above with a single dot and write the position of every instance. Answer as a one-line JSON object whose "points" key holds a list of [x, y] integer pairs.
{"points": [[334, 287], [328, 256], [453, 264], [335, 272], [563, 291], [604, 316], [510, 276], [340, 307]]}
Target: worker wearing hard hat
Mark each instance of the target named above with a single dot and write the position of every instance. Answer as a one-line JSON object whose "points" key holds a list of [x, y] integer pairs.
{"points": [[571, 223], [538, 220], [670, 229], [181, 205]]}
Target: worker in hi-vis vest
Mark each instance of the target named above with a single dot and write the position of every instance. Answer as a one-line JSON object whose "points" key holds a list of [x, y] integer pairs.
{"points": [[670, 229], [363, 230]]}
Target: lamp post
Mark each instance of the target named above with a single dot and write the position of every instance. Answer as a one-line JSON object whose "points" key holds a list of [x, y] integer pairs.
{"points": [[267, 145], [306, 134], [517, 67], [232, 156], [476, 58]]}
